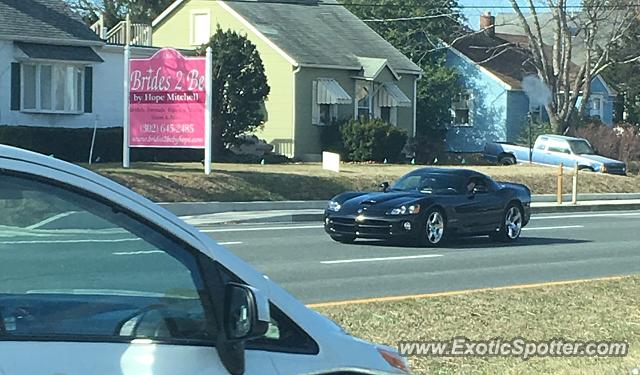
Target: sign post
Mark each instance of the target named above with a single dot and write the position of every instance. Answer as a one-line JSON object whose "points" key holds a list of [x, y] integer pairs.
{"points": [[127, 125], [207, 112], [169, 103]]}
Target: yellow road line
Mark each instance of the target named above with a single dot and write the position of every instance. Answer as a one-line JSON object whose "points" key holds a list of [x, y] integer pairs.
{"points": [[460, 292]]}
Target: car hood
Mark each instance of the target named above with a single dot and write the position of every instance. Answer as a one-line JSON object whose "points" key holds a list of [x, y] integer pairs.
{"points": [[601, 159], [379, 201]]}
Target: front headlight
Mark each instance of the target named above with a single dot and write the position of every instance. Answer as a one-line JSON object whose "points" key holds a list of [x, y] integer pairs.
{"points": [[334, 206], [603, 169], [405, 210]]}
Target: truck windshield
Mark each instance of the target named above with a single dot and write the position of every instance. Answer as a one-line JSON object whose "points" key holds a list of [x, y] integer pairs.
{"points": [[581, 147]]}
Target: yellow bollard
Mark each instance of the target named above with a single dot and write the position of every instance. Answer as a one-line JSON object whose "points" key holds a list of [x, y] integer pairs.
{"points": [[559, 194], [574, 191]]}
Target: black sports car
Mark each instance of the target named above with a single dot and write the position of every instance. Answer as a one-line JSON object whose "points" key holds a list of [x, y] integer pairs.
{"points": [[430, 205]]}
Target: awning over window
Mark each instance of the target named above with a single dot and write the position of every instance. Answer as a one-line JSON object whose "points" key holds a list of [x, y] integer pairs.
{"points": [[55, 52], [390, 95], [330, 92]]}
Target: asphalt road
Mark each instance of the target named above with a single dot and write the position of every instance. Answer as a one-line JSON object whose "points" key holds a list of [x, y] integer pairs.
{"points": [[304, 260]]}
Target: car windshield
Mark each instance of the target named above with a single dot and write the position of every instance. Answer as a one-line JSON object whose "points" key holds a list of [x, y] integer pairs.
{"points": [[581, 147], [430, 183]]}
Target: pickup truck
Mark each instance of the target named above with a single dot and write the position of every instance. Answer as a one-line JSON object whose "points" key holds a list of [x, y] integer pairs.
{"points": [[553, 150]]}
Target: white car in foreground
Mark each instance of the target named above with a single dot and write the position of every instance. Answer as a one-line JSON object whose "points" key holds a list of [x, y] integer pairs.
{"points": [[95, 279]]}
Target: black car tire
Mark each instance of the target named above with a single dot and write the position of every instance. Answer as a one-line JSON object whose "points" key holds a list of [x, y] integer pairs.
{"points": [[507, 160], [343, 238], [434, 230], [510, 225]]}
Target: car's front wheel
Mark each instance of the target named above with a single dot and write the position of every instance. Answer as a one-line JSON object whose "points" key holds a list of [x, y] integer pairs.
{"points": [[511, 225], [343, 238], [435, 229]]}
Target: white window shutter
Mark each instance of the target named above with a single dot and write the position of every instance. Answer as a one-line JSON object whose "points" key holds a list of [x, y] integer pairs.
{"points": [[393, 118], [315, 108]]}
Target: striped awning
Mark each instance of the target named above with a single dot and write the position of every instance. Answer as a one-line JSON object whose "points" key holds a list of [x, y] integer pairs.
{"points": [[330, 92], [390, 95]]}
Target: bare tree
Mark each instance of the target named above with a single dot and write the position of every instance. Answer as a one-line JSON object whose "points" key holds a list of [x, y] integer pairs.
{"points": [[601, 25]]}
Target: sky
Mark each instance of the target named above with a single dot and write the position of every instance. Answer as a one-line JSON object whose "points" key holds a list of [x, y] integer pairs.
{"points": [[478, 7]]}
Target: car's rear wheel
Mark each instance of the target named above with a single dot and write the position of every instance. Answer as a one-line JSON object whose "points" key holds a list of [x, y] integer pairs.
{"points": [[511, 224], [435, 229], [507, 160], [343, 238]]}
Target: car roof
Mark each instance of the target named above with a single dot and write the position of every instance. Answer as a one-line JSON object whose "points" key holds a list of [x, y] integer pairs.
{"points": [[561, 137]]}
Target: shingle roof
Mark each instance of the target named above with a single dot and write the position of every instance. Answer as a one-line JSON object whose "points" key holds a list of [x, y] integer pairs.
{"points": [[46, 19], [497, 55], [324, 34]]}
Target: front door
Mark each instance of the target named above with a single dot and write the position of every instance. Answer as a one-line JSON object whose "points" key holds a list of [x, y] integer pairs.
{"points": [[87, 288], [482, 209]]}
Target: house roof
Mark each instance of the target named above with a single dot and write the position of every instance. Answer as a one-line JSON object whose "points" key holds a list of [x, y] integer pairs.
{"points": [[43, 20], [495, 54], [320, 34]]}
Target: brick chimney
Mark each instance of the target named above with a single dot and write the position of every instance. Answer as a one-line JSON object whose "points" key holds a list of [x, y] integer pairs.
{"points": [[488, 24]]}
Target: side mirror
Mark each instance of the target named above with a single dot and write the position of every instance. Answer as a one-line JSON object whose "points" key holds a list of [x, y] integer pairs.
{"points": [[247, 313], [384, 186]]}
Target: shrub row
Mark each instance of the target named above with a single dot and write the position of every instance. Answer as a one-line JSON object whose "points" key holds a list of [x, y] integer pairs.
{"points": [[73, 145], [365, 140]]}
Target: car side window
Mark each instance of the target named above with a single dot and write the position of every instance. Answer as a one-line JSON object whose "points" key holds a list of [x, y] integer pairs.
{"points": [[73, 267], [478, 183]]}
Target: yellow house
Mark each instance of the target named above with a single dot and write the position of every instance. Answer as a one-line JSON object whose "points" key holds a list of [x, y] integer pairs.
{"points": [[322, 64]]}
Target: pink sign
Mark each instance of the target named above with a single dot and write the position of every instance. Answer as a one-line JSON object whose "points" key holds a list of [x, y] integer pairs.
{"points": [[167, 101]]}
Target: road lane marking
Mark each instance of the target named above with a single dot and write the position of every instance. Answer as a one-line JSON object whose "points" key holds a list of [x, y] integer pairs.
{"points": [[139, 252], [260, 229], [365, 260], [67, 241], [584, 216], [552, 228], [462, 292], [230, 243]]}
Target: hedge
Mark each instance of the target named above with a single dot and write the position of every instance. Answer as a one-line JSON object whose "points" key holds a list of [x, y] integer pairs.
{"points": [[73, 145]]}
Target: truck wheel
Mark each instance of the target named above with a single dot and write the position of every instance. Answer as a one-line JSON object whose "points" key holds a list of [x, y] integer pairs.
{"points": [[507, 160]]}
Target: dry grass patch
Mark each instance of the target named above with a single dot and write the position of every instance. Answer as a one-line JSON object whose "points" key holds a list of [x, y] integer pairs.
{"points": [[308, 181], [598, 310]]}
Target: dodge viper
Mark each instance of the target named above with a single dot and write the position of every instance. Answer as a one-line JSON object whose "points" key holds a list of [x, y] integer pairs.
{"points": [[429, 206]]}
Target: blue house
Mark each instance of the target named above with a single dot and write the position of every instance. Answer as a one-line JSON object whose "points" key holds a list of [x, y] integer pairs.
{"points": [[495, 106]]}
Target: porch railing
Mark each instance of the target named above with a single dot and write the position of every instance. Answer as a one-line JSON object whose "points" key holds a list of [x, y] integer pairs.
{"points": [[124, 32]]}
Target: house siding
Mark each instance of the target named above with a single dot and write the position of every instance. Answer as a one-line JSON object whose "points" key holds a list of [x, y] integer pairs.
{"points": [[107, 107], [608, 101], [175, 31], [489, 113], [517, 112]]}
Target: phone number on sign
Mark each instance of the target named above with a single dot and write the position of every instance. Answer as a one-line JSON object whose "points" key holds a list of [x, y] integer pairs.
{"points": [[169, 128]]}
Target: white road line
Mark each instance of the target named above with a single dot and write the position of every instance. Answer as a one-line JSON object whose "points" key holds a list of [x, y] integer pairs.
{"points": [[293, 227], [552, 228], [139, 252], [364, 260], [67, 241], [230, 243], [585, 216]]}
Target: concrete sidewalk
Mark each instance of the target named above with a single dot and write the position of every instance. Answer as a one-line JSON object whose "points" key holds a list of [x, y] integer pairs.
{"points": [[316, 215]]}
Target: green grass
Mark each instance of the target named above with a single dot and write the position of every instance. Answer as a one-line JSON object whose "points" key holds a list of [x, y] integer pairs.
{"points": [[597, 310], [244, 182]]}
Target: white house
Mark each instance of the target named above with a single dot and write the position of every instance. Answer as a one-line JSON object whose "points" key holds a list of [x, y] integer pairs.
{"points": [[55, 71]]}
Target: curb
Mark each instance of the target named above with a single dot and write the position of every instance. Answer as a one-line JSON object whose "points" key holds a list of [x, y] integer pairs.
{"points": [[205, 208]]}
